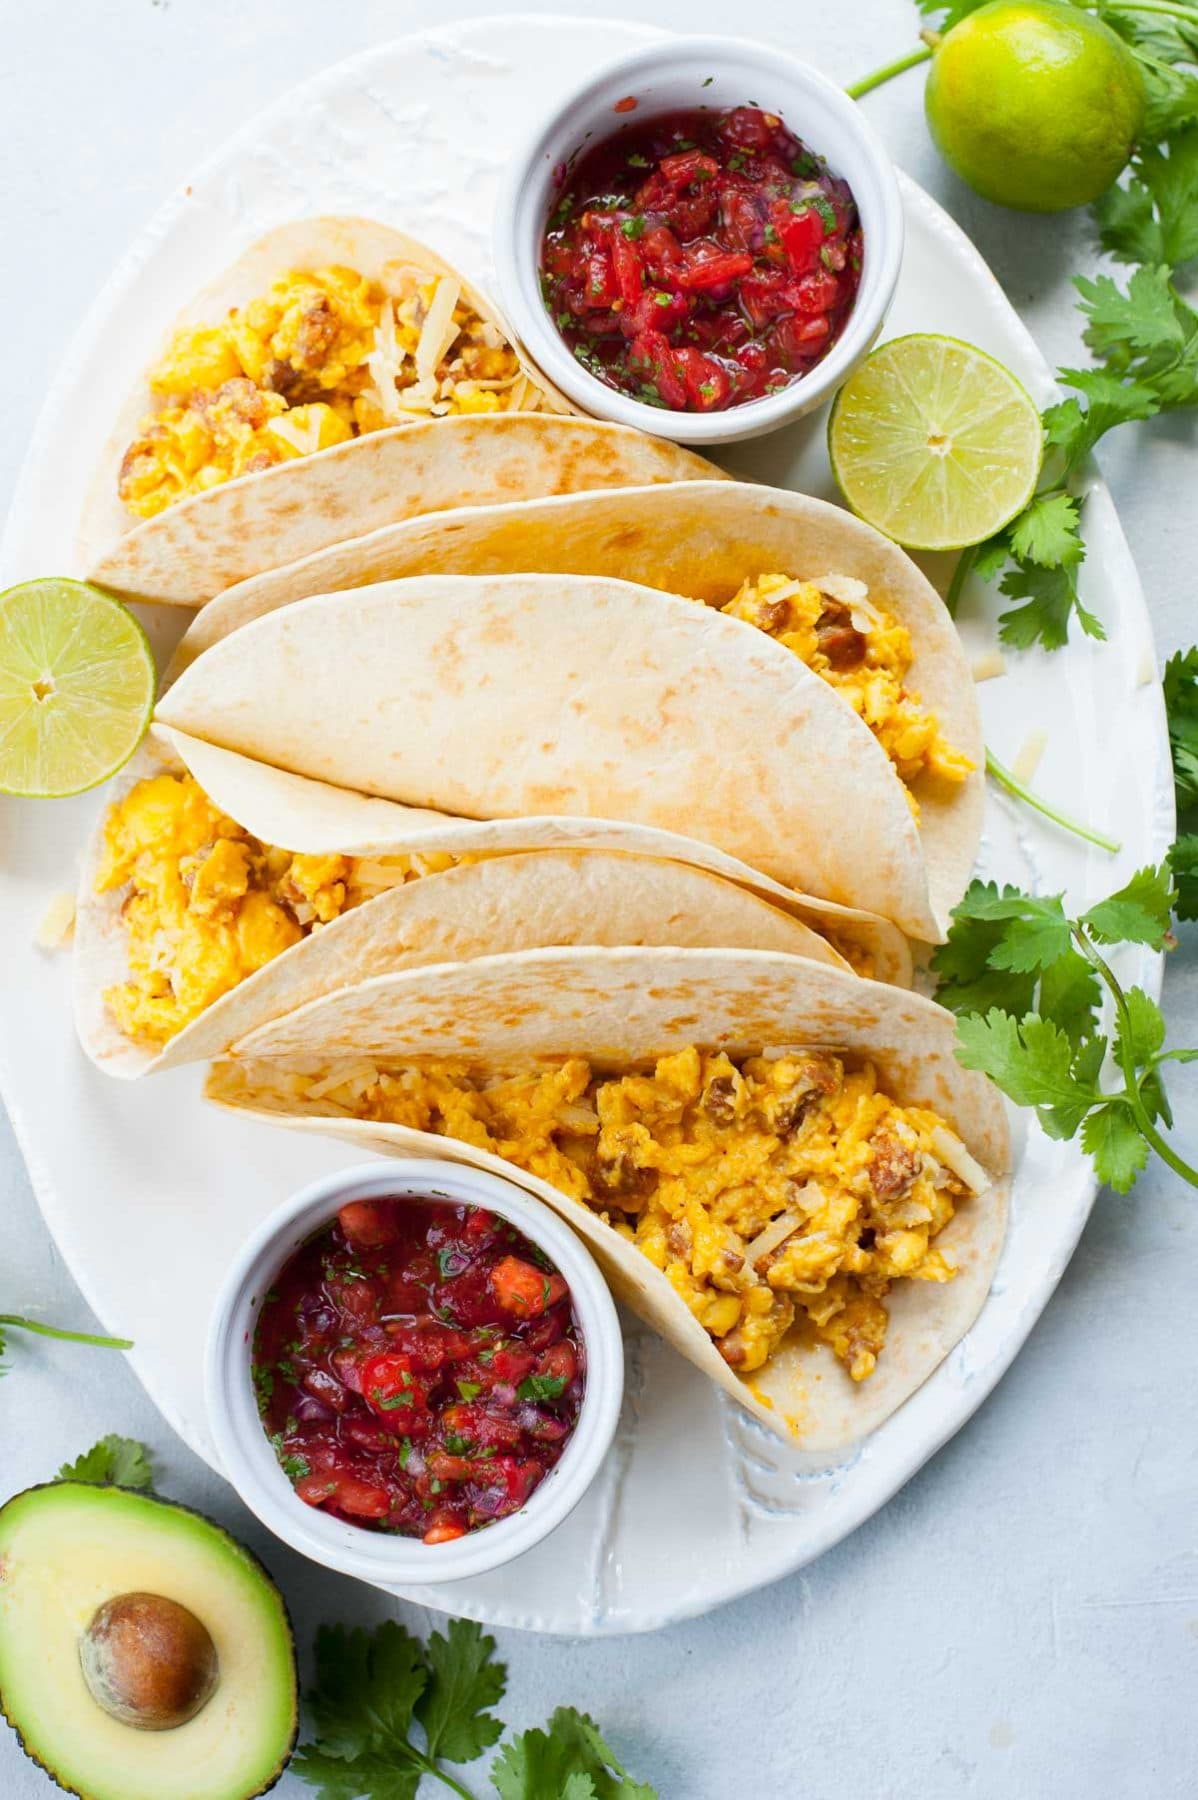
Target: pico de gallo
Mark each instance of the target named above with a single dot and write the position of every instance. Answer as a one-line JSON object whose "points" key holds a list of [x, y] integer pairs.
{"points": [[419, 1367], [701, 259]]}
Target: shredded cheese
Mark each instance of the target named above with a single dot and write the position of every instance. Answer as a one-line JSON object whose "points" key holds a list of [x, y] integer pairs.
{"points": [[955, 1156], [1030, 752], [57, 923], [988, 665], [845, 588], [775, 1233], [438, 331], [339, 1075], [384, 364]]}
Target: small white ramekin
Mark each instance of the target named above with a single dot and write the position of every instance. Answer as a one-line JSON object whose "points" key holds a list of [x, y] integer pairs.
{"points": [[245, 1452], [686, 72]]}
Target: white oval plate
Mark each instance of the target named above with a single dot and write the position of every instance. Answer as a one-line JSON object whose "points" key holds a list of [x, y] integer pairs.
{"points": [[149, 1193]]}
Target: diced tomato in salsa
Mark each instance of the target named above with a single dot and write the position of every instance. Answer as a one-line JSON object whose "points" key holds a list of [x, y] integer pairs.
{"points": [[701, 259], [419, 1368]]}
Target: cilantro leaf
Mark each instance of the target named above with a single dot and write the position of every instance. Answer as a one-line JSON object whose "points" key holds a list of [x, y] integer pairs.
{"points": [[1143, 318], [1070, 995], [1110, 1135], [1036, 933], [1046, 532], [1183, 861], [1110, 401], [967, 982], [1160, 42], [464, 1681], [1154, 1097], [1154, 219], [991, 557], [1148, 333], [113, 1462], [998, 942], [1032, 1061], [366, 1777], [1181, 709], [537, 1764], [1145, 1033], [1139, 913], [367, 1686], [951, 11], [1051, 600], [541, 1387]]}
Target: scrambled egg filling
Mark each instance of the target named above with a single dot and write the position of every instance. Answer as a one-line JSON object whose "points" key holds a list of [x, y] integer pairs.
{"points": [[320, 358], [208, 904], [864, 654], [788, 1187]]}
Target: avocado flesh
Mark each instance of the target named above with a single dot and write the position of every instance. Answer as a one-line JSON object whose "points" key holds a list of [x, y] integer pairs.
{"points": [[67, 1548]]}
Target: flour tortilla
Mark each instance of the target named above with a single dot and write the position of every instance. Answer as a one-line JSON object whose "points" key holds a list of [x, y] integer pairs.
{"points": [[697, 538], [572, 886], [500, 696], [622, 1008], [194, 549]]}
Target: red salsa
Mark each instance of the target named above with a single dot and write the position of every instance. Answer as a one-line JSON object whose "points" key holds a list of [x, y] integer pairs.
{"points": [[419, 1367], [701, 259]]}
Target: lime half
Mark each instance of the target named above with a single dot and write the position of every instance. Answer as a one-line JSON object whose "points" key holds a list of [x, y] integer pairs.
{"points": [[935, 443], [76, 687]]}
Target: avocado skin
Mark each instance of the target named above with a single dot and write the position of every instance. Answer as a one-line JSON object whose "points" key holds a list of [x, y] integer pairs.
{"points": [[242, 1549]]}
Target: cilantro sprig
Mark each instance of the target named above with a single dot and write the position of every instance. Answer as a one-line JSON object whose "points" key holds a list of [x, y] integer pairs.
{"points": [[1027, 981], [113, 1462], [1142, 331], [569, 1758], [14, 1322], [390, 1711]]}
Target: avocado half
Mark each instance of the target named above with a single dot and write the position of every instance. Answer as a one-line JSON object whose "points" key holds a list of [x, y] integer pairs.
{"points": [[68, 1550]]}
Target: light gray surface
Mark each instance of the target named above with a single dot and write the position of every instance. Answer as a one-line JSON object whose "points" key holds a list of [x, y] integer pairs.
{"points": [[1023, 1619]]}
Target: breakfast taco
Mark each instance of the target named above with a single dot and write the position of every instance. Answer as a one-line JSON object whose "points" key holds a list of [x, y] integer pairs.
{"points": [[195, 925], [760, 725], [782, 1168], [340, 376]]}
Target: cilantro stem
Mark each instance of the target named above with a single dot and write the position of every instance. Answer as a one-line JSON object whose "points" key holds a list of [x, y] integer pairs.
{"points": [[1170, 9], [1127, 1063], [899, 67], [960, 576], [448, 1780], [1015, 787], [72, 1337], [1165, 7]]}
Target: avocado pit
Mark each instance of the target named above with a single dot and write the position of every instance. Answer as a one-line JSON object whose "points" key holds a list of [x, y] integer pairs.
{"points": [[148, 1662]]}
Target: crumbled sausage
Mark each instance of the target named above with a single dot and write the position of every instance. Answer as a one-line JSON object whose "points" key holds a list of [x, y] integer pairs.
{"points": [[838, 637], [622, 1177], [316, 335], [772, 615], [791, 1110], [281, 378], [719, 1100], [732, 1348], [241, 397], [678, 1238], [893, 1166]]}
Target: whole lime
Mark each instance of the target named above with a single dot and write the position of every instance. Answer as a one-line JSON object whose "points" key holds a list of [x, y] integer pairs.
{"points": [[1035, 103]]}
